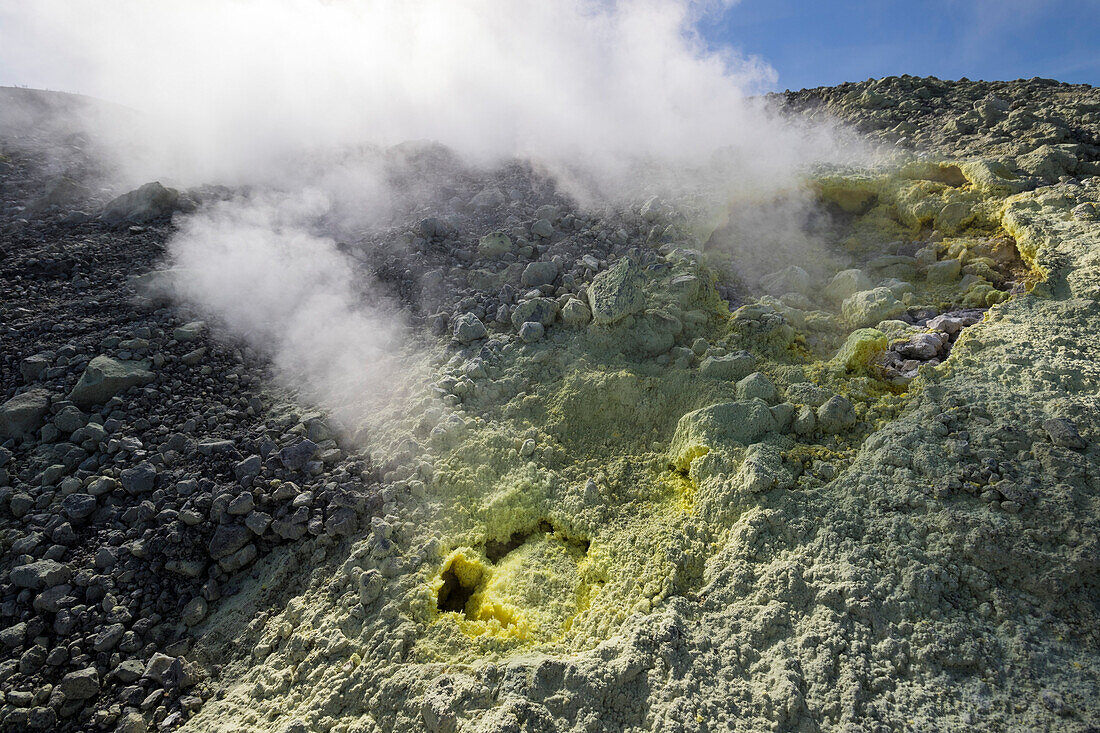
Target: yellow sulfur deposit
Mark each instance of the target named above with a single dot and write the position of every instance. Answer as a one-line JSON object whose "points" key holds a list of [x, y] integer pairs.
{"points": [[860, 349]]}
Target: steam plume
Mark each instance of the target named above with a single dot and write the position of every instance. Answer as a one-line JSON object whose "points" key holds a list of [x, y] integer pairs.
{"points": [[251, 92]]}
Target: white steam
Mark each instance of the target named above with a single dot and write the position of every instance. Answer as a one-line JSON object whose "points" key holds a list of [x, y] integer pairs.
{"points": [[266, 93], [235, 88], [293, 295]]}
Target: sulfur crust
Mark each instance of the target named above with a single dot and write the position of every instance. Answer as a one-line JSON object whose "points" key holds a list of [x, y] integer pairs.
{"points": [[635, 519]]}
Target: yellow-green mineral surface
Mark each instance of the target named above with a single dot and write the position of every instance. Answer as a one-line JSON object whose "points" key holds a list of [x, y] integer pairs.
{"points": [[830, 496]]}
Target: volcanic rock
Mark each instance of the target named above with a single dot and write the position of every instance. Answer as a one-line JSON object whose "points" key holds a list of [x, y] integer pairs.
{"points": [[141, 206], [23, 413], [105, 377]]}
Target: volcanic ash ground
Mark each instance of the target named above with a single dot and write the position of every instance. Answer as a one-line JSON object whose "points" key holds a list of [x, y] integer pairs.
{"points": [[633, 471]]}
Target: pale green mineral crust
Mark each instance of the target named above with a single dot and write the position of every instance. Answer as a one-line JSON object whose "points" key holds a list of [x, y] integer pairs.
{"points": [[663, 516]]}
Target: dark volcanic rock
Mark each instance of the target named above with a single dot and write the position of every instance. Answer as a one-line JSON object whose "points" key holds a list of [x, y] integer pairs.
{"points": [[143, 205]]}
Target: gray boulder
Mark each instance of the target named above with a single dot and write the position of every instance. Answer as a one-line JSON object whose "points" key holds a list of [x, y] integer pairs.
{"points": [[70, 419], [531, 331], [105, 377], [490, 198], [835, 415], [227, 539], [494, 244], [139, 479], [40, 574], [542, 228], [1064, 432], [23, 413], [189, 331], [34, 367], [81, 685], [468, 327], [62, 192], [539, 273], [238, 559], [141, 206], [157, 285], [295, 457], [78, 506], [194, 611], [158, 667], [535, 310], [108, 638]]}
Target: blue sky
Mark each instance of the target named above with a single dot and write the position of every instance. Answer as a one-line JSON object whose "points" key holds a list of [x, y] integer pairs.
{"points": [[823, 42]]}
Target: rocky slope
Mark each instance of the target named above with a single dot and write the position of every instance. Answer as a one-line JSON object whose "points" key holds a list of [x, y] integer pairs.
{"points": [[645, 489]]}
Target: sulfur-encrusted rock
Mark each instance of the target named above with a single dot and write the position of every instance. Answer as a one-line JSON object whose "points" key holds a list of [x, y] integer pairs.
{"points": [[535, 310], [494, 244], [727, 424], [761, 470], [836, 415], [105, 377], [575, 313], [791, 279], [617, 293], [467, 328], [861, 348], [847, 282], [868, 307], [901, 267], [1048, 162], [757, 386], [953, 217], [728, 366], [653, 333], [992, 177], [943, 272], [764, 324]]}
